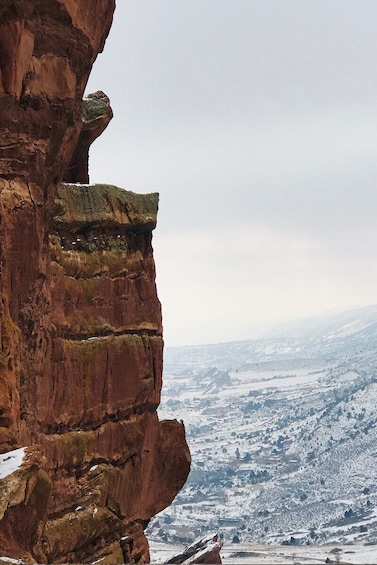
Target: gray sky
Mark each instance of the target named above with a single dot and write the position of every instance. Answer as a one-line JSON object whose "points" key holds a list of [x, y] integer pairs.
{"points": [[255, 120]]}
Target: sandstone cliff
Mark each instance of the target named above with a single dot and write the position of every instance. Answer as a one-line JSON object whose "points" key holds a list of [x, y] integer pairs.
{"points": [[80, 321]]}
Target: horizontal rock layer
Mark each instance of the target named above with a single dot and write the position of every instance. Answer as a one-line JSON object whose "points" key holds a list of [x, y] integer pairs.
{"points": [[80, 322], [96, 367]]}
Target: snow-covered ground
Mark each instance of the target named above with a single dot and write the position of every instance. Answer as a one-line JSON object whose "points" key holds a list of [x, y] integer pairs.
{"points": [[257, 554], [278, 555], [283, 436]]}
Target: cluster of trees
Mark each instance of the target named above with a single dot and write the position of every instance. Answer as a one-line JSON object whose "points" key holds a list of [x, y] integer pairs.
{"points": [[259, 476]]}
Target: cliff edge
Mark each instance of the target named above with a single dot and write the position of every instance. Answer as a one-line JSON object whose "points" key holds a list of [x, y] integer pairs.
{"points": [[84, 460]]}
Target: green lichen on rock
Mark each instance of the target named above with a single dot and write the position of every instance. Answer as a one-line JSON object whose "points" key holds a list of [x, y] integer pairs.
{"points": [[95, 106], [81, 206]]}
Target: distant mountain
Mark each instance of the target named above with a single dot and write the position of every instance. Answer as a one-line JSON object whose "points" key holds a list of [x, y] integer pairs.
{"points": [[335, 323], [283, 435]]}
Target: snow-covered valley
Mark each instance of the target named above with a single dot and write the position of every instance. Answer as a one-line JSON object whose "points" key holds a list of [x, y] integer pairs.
{"points": [[283, 435]]}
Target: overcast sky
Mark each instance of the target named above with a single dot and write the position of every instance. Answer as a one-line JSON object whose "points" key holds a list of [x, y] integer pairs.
{"points": [[255, 120]]}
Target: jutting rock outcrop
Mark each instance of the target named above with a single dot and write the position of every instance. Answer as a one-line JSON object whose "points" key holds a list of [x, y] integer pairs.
{"points": [[85, 462], [96, 116], [205, 550]]}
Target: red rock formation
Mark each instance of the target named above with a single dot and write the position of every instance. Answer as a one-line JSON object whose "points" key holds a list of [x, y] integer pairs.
{"points": [[205, 550], [96, 116], [80, 321]]}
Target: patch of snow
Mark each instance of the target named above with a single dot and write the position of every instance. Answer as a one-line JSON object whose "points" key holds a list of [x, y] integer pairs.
{"points": [[250, 554], [99, 560], [162, 552], [11, 461]]}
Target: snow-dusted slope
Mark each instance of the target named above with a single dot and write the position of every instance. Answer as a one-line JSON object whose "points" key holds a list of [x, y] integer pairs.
{"points": [[282, 433]]}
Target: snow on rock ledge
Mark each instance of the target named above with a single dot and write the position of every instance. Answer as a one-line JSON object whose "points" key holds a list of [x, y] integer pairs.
{"points": [[204, 550], [11, 461]]}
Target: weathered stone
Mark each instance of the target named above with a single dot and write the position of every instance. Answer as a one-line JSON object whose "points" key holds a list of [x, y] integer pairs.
{"points": [[46, 53], [23, 506], [205, 550], [80, 322], [16, 49], [96, 116], [85, 207]]}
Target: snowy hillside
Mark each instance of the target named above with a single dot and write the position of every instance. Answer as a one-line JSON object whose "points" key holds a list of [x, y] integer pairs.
{"points": [[283, 436]]}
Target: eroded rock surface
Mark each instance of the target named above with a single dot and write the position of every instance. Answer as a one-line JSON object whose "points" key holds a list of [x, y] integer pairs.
{"points": [[205, 550], [80, 321], [96, 115]]}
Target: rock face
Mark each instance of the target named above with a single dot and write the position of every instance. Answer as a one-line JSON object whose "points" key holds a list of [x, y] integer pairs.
{"points": [[205, 550], [80, 321], [96, 116]]}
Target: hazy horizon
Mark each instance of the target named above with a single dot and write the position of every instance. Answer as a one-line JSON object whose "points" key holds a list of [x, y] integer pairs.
{"points": [[255, 121], [279, 328]]}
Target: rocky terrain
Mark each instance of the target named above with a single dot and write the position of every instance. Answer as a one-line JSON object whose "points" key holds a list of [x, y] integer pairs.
{"points": [[85, 461], [262, 554], [283, 434]]}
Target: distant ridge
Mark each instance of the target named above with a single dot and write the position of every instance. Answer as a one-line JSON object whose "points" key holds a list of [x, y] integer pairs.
{"points": [[327, 323], [348, 321]]}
